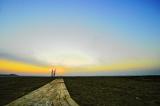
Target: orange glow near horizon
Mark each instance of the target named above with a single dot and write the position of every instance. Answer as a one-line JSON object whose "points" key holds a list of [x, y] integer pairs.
{"points": [[10, 66], [125, 66]]}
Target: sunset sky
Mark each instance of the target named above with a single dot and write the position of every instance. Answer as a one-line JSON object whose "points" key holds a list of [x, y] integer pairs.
{"points": [[80, 37]]}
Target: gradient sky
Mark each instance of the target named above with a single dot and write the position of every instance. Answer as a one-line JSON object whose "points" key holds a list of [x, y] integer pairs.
{"points": [[80, 37]]}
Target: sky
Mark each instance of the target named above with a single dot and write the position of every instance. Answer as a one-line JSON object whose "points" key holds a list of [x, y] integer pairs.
{"points": [[80, 37]]}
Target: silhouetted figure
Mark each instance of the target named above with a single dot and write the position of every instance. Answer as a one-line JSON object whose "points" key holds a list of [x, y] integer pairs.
{"points": [[53, 72]]}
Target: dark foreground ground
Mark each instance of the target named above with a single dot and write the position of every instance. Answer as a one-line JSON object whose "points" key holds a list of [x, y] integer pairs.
{"points": [[115, 91], [12, 88]]}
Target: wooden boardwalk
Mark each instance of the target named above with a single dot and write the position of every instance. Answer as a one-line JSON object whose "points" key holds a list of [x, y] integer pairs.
{"points": [[54, 93]]}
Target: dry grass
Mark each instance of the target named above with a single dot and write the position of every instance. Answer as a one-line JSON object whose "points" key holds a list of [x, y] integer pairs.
{"points": [[12, 88], [115, 91]]}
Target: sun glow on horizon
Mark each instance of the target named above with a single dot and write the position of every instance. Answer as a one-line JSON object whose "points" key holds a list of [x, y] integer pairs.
{"points": [[10, 66]]}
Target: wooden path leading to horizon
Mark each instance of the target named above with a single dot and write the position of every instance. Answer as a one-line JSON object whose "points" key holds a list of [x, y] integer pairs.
{"points": [[54, 93]]}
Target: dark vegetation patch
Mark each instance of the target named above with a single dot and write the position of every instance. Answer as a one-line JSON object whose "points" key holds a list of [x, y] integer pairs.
{"points": [[115, 91], [12, 88]]}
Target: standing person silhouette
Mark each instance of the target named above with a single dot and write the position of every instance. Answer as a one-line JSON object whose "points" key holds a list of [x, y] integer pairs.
{"points": [[54, 74]]}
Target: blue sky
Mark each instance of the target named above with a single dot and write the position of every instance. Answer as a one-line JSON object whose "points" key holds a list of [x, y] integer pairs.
{"points": [[128, 17], [91, 31]]}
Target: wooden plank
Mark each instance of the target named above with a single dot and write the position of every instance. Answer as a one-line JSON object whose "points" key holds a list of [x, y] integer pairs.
{"points": [[54, 93]]}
